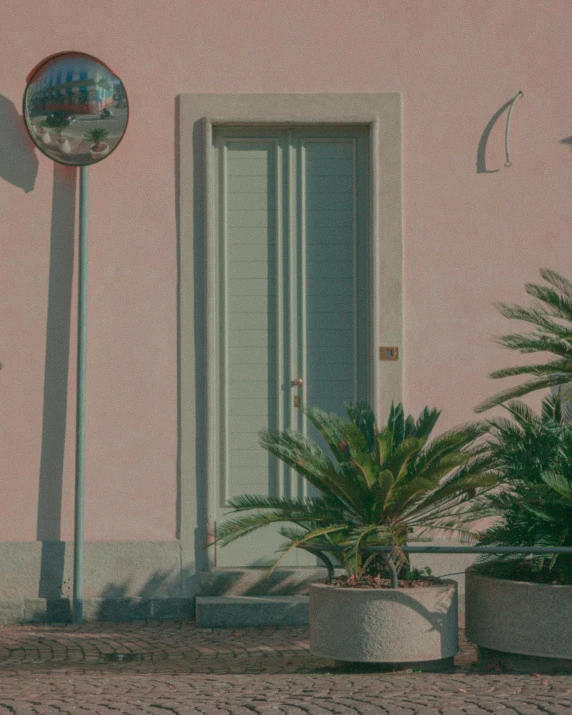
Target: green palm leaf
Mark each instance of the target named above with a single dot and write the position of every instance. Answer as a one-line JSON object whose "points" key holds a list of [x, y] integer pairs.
{"points": [[307, 537], [561, 368], [331, 428], [399, 498], [552, 317], [558, 281], [534, 504], [361, 415], [560, 305], [403, 455], [306, 458], [535, 343], [537, 316], [450, 444], [426, 422], [524, 389], [559, 483], [383, 447]]}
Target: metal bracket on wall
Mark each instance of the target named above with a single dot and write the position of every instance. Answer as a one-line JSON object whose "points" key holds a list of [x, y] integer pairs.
{"points": [[517, 96]]}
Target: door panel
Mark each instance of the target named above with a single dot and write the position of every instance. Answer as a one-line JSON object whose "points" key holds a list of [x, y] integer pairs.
{"points": [[291, 220], [249, 339]]}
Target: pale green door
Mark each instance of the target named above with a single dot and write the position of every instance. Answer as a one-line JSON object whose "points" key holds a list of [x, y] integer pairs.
{"points": [[292, 314]]}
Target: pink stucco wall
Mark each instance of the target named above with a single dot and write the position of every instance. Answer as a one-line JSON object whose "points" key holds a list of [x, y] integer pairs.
{"points": [[469, 238]]}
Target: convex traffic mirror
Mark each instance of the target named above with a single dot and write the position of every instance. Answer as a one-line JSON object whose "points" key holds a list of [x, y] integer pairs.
{"points": [[75, 108]]}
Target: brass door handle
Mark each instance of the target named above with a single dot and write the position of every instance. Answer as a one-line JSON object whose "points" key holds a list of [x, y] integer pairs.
{"points": [[297, 382]]}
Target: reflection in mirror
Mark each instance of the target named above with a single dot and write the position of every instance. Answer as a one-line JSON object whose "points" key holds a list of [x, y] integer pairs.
{"points": [[75, 108]]}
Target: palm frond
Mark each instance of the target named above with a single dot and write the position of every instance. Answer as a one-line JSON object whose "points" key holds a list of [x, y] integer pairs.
{"points": [[451, 442], [396, 423], [426, 422], [383, 446], [564, 395], [241, 526], [466, 479], [558, 281], [535, 343], [552, 409], [534, 316], [362, 416], [354, 541], [380, 491], [520, 390], [246, 502], [559, 483], [398, 498], [310, 461], [405, 453], [330, 426], [560, 368], [521, 413], [559, 305], [297, 541]]}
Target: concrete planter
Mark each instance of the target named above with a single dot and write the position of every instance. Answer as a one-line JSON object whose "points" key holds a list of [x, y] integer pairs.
{"points": [[100, 153], [521, 618], [405, 625]]}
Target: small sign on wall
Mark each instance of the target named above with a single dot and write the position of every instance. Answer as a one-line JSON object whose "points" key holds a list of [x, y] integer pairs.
{"points": [[386, 353]]}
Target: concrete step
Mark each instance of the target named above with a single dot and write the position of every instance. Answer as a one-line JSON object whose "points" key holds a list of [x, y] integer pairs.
{"points": [[249, 611]]}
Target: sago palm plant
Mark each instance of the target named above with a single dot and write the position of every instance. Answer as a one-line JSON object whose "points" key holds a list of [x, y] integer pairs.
{"points": [[533, 455], [377, 487], [96, 136], [551, 313]]}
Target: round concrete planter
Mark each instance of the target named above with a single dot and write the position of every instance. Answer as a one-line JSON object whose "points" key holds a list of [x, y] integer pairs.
{"points": [[517, 617], [404, 625]]}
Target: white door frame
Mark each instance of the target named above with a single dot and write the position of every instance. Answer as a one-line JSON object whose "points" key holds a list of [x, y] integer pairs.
{"points": [[197, 116]]}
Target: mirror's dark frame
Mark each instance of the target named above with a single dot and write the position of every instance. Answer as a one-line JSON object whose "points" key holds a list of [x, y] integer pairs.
{"points": [[36, 70]]}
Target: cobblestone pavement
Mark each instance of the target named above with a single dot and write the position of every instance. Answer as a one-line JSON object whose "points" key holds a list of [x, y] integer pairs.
{"points": [[174, 667]]}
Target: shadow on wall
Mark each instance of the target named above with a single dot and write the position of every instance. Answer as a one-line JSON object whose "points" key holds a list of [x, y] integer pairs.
{"points": [[482, 148], [19, 166], [18, 160], [164, 594], [150, 602], [161, 596], [56, 366]]}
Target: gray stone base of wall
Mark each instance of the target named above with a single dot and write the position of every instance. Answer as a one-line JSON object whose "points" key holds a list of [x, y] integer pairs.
{"points": [[123, 581], [140, 580], [44, 610], [516, 663]]}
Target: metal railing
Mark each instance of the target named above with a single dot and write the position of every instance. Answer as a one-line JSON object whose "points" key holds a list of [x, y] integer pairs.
{"points": [[319, 551]]}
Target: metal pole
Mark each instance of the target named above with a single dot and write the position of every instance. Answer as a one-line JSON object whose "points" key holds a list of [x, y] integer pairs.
{"points": [[319, 551], [449, 549], [474, 549], [80, 403]]}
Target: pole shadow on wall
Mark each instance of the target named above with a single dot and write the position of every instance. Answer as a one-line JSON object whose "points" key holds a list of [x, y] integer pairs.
{"points": [[18, 160], [19, 167], [56, 381], [190, 576]]}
